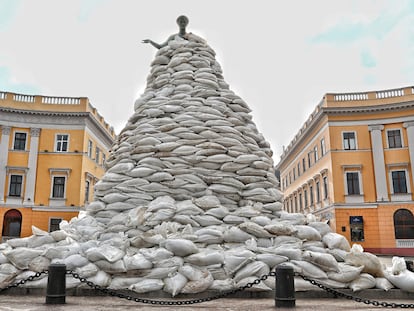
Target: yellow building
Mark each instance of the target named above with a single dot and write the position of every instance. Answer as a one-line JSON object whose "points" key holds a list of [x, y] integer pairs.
{"points": [[52, 151], [352, 163]]}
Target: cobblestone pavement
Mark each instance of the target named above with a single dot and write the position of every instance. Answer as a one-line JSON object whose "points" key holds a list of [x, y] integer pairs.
{"points": [[37, 303]]}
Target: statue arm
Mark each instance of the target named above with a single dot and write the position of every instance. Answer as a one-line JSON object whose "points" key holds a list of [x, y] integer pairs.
{"points": [[158, 45]]}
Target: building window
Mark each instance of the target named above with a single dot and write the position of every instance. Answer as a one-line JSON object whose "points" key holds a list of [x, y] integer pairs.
{"points": [[304, 164], [19, 141], [399, 182], [352, 180], [315, 153], [299, 169], [325, 187], [323, 147], [318, 192], [12, 223], [62, 141], [300, 202], [356, 224], [54, 224], [103, 158], [294, 173], [394, 139], [310, 159], [349, 140], [87, 190], [311, 195], [97, 153], [58, 190], [16, 182], [305, 195], [90, 148], [403, 224]]}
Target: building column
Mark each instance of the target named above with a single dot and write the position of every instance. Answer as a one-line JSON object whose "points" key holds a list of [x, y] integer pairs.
{"points": [[410, 135], [32, 165], [379, 162], [4, 151]]}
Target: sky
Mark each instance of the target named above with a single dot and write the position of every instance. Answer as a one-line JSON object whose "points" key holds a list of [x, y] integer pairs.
{"points": [[281, 57]]}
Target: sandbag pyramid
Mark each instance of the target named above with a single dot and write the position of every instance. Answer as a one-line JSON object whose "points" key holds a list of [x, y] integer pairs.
{"points": [[189, 202]]}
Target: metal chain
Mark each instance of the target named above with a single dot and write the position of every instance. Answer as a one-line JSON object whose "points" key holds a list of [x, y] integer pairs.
{"points": [[21, 282], [109, 292], [340, 294]]}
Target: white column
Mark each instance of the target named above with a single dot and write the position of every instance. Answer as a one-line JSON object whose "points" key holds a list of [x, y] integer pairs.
{"points": [[379, 162], [410, 135], [4, 152], [32, 165]]}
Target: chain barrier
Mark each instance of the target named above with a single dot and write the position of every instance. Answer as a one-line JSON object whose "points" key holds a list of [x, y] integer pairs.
{"points": [[21, 282], [169, 302], [106, 291], [339, 294]]}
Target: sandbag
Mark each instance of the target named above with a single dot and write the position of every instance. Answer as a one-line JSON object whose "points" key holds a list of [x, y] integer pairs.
{"points": [[147, 285], [364, 281], [180, 247], [335, 240], [175, 284]]}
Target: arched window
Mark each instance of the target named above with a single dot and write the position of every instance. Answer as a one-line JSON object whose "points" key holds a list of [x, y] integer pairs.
{"points": [[12, 223], [404, 224]]}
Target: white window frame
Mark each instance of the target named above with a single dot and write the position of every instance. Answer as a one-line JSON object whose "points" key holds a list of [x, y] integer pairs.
{"points": [[52, 184], [56, 142], [90, 148], [401, 136], [9, 184], [400, 196], [25, 143], [354, 198], [97, 154], [316, 155], [343, 140]]}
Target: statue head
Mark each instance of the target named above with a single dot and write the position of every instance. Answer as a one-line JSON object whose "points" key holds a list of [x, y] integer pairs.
{"points": [[182, 21]]}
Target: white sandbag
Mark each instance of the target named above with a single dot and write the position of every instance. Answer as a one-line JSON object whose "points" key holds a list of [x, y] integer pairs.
{"points": [[307, 233], [87, 271], [218, 212], [153, 254], [137, 262], [104, 252], [293, 218], [335, 240], [280, 229], [256, 268], [22, 256], [303, 286], [101, 278], [147, 285], [346, 273], [3, 259], [163, 202], [236, 235], [169, 262], [399, 275], [198, 286], [205, 258], [339, 254], [383, 283], [122, 282], [160, 273], [39, 264], [111, 267], [364, 281], [15, 243], [180, 247], [191, 272], [175, 284], [326, 262], [290, 252], [206, 220], [223, 285], [254, 229], [261, 220], [322, 227], [59, 235], [371, 263], [309, 269], [272, 260], [75, 261]]}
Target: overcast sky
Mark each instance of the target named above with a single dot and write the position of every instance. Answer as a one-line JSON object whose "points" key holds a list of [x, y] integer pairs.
{"points": [[281, 57]]}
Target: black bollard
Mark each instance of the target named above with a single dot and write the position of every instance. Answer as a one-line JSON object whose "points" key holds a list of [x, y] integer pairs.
{"points": [[285, 287], [56, 284]]}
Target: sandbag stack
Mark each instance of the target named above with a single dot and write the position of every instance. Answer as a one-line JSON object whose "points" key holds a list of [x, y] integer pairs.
{"points": [[189, 202]]}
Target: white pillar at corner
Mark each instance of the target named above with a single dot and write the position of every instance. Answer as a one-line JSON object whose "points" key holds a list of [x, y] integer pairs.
{"points": [[32, 165], [4, 152], [379, 162], [410, 135]]}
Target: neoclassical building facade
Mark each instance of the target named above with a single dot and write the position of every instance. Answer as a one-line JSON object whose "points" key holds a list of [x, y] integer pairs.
{"points": [[52, 151], [352, 164]]}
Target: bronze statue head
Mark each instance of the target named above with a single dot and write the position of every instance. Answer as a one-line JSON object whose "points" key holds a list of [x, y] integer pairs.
{"points": [[182, 21]]}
